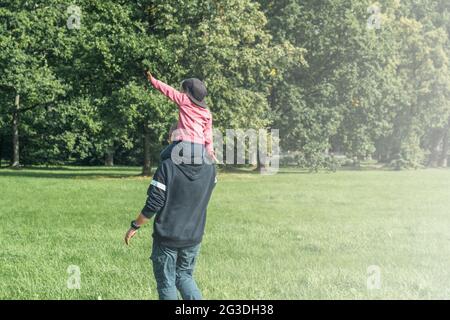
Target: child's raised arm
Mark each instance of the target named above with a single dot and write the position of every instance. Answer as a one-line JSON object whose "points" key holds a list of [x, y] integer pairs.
{"points": [[165, 89]]}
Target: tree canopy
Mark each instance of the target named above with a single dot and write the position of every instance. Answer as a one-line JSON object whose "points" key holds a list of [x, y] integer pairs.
{"points": [[351, 77]]}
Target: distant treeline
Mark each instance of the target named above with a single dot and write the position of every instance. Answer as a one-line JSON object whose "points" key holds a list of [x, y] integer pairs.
{"points": [[352, 77]]}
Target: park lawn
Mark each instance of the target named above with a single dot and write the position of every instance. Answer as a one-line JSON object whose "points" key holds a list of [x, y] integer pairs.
{"points": [[292, 235]]}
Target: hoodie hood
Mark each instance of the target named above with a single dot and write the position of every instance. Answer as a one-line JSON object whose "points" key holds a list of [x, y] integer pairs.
{"points": [[192, 171], [193, 166]]}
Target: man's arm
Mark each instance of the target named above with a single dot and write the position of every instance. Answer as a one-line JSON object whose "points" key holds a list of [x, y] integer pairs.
{"points": [[170, 92], [156, 193], [156, 199]]}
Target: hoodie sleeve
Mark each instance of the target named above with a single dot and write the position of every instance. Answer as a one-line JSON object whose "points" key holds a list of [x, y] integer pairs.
{"points": [[170, 92], [156, 193]]}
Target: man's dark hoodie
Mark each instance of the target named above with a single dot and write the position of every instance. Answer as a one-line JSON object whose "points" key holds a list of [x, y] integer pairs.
{"points": [[178, 195]]}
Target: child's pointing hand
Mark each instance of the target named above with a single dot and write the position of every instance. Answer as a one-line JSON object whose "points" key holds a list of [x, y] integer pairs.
{"points": [[148, 75]]}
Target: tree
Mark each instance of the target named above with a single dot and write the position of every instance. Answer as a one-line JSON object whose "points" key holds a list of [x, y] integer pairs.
{"points": [[29, 45], [330, 103], [232, 53], [422, 72], [313, 69]]}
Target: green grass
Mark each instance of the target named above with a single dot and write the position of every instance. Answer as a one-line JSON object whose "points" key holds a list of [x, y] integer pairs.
{"points": [[288, 236]]}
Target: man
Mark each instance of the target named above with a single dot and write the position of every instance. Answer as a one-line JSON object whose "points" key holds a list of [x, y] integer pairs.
{"points": [[177, 197]]}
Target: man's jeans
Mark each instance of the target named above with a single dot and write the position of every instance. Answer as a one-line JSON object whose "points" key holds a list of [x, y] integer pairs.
{"points": [[173, 269]]}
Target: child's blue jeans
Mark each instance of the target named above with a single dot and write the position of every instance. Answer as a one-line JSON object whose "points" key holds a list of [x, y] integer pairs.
{"points": [[173, 269]]}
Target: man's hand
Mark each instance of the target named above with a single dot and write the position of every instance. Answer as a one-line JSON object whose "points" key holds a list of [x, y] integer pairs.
{"points": [[136, 224], [130, 234]]}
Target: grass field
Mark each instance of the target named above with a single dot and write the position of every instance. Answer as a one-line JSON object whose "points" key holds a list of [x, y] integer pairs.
{"points": [[288, 236]]}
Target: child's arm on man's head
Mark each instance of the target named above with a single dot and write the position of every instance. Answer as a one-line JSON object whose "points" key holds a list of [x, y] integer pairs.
{"points": [[165, 89]]}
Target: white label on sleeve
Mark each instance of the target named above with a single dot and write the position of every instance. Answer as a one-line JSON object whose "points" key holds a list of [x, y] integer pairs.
{"points": [[158, 185]]}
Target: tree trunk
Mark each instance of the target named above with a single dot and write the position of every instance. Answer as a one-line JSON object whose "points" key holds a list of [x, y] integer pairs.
{"points": [[146, 168], [382, 151], [436, 138], [1, 150], [15, 161], [109, 157], [260, 167], [443, 159]]}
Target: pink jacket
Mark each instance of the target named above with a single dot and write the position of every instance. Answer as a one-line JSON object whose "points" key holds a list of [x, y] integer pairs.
{"points": [[194, 122]]}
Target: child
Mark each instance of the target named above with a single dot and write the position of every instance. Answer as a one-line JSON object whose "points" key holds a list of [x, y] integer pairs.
{"points": [[195, 120]]}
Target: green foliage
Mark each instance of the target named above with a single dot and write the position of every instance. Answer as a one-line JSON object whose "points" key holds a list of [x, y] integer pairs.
{"points": [[312, 69], [317, 102]]}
